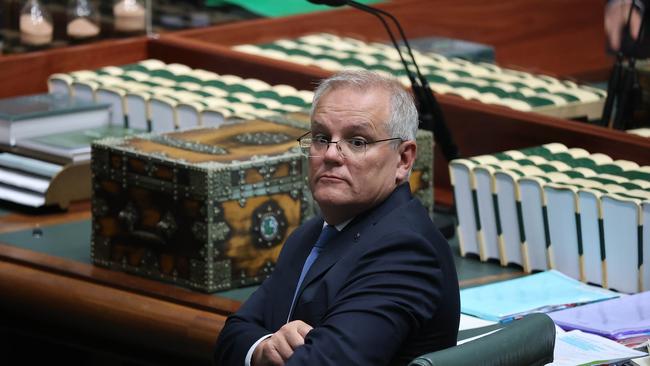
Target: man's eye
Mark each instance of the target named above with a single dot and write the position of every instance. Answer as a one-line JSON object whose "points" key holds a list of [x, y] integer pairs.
{"points": [[320, 139], [356, 143]]}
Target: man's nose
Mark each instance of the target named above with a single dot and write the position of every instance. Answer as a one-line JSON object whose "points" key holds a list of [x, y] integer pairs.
{"points": [[333, 152]]}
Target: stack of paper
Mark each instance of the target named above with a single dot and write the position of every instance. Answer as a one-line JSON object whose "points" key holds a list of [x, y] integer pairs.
{"points": [[472, 322], [541, 292], [625, 319], [578, 348]]}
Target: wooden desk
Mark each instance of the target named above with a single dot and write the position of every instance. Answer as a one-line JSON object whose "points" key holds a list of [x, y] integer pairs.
{"points": [[49, 287], [75, 298]]}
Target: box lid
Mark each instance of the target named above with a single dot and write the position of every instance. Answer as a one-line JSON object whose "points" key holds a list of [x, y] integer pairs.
{"points": [[228, 143]]}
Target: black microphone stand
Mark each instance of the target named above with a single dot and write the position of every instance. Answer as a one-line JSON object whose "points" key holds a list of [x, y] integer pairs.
{"points": [[623, 84], [431, 116]]}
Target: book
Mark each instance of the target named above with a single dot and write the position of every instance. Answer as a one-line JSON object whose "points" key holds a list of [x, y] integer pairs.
{"points": [[29, 165], [43, 114], [72, 146], [623, 242], [24, 180], [541, 292], [623, 318]]}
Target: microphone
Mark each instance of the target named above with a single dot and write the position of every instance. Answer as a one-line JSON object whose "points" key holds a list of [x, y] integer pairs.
{"points": [[431, 117]]}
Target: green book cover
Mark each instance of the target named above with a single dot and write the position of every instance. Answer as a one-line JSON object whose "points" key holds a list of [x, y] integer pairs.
{"points": [[72, 144], [42, 114], [38, 105]]}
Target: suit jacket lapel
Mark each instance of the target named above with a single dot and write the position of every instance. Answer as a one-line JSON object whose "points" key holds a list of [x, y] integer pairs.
{"points": [[299, 249], [352, 233]]}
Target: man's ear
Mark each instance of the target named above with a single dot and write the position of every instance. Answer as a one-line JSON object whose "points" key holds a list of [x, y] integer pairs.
{"points": [[407, 153]]}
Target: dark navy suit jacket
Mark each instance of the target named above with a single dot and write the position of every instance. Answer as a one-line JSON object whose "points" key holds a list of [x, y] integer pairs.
{"points": [[382, 292]]}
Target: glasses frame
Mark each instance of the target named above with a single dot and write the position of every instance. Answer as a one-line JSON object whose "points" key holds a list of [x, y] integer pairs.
{"points": [[338, 147]]}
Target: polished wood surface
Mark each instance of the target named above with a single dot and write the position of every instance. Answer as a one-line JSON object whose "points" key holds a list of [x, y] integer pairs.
{"points": [[79, 298], [24, 74], [110, 313]]}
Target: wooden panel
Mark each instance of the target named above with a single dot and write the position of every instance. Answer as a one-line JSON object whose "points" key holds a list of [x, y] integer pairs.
{"points": [[27, 73]]}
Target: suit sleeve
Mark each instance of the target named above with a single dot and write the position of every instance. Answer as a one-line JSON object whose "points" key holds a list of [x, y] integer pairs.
{"points": [[391, 292], [242, 330], [251, 321]]}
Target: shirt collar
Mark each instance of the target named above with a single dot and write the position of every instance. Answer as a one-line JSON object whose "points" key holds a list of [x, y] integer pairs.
{"points": [[340, 226]]}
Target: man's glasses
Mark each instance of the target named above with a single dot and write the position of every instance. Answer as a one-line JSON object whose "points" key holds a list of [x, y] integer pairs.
{"points": [[316, 146]]}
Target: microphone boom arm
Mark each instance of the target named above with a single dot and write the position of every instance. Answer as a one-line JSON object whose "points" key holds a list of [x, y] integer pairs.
{"points": [[431, 114]]}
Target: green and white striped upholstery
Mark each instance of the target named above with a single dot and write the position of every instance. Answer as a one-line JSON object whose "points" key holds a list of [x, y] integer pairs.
{"points": [[161, 97], [483, 82]]}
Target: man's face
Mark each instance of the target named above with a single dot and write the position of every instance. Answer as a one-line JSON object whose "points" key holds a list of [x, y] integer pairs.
{"points": [[346, 186]]}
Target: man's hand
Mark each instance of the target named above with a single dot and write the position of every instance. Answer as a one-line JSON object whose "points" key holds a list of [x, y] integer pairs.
{"points": [[616, 13], [276, 350]]}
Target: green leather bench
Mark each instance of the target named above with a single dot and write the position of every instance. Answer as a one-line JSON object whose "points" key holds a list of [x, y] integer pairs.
{"points": [[525, 342]]}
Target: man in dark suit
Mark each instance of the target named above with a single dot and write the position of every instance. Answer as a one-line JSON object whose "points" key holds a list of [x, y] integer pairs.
{"points": [[382, 289]]}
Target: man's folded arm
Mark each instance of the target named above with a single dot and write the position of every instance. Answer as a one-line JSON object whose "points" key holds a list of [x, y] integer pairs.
{"points": [[242, 330]]}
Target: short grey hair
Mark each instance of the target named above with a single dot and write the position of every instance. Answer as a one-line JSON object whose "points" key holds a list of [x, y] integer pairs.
{"points": [[403, 116]]}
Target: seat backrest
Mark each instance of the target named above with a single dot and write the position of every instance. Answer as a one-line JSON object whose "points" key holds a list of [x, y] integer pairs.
{"points": [[528, 341]]}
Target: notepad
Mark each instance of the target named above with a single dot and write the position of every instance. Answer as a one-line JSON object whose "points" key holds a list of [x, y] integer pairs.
{"points": [[618, 319], [584, 349], [541, 292]]}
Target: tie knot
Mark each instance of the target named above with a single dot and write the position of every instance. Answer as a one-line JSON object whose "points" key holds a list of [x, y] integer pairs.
{"points": [[325, 235]]}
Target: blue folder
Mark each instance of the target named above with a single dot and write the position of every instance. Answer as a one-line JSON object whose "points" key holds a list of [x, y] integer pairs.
{"points": [[541, 292]]}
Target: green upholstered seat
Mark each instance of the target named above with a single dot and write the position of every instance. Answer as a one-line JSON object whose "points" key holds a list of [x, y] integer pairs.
{"points": [[525, 342]]}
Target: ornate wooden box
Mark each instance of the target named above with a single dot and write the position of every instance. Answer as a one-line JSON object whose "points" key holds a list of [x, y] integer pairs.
{"points": [[207, 208]]}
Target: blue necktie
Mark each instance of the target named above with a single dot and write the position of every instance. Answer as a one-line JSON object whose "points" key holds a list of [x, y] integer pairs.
{"points": [[325, 236]]}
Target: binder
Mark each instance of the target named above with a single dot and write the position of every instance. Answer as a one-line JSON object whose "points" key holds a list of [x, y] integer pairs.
{"points": [[620, 319], [491, 238], [540, 292], [622, 233], [463, 185]]}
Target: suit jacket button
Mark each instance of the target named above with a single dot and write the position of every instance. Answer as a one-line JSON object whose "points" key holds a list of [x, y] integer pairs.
{"points": [[356, 238]]}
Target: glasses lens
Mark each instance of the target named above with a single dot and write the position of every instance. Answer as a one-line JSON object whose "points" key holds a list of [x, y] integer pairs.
{"points": [[353, 147], [315, 147], [305, 145]]}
